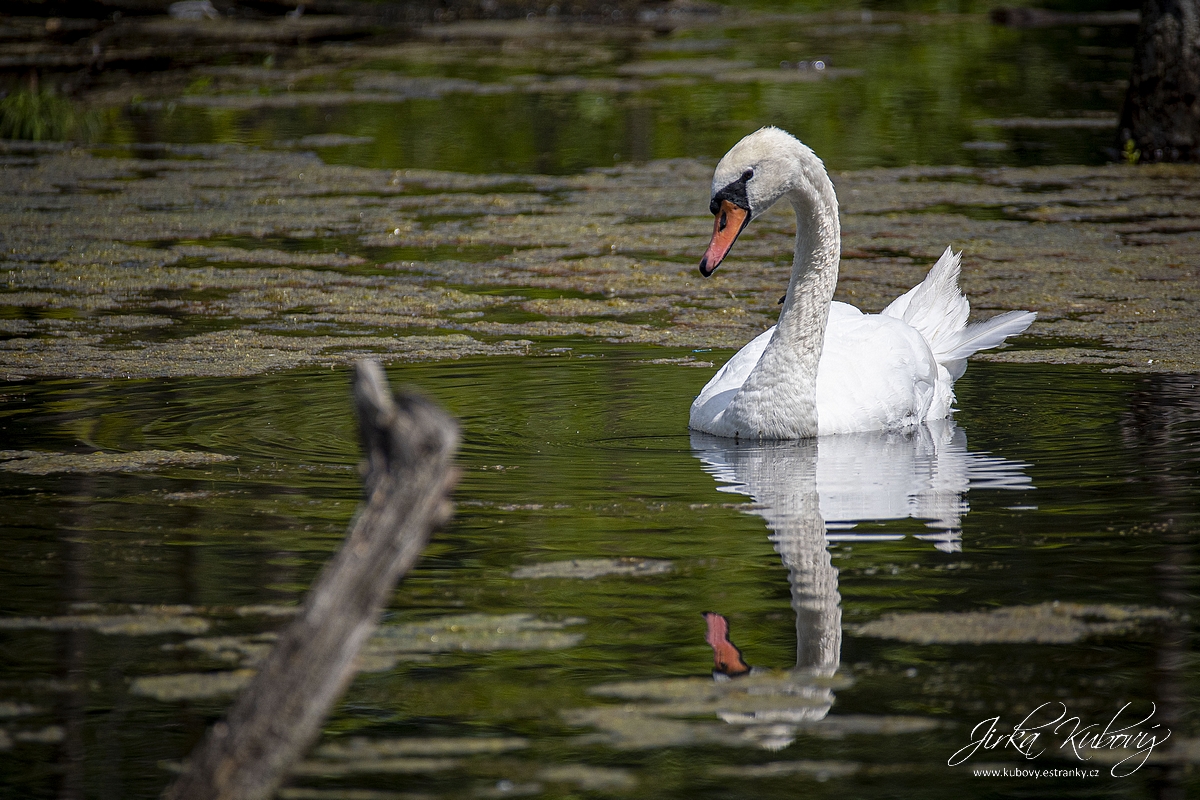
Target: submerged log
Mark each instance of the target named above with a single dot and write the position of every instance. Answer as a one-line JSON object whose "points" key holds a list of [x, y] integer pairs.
{"points": [[1161, 117], [409, 444]]}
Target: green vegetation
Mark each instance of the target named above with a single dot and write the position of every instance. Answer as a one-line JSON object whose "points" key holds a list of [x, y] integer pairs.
{"points": [[42, 115]]}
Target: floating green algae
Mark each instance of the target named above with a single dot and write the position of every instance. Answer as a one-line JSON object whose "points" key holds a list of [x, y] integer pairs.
{"points": [[390, 644], [188, 609], [51, 734], [241, 650], [465, 633], [590, 778], [32, 462], [360, 748], [297, 793], [1045, 623], [266, 610], [401, 766], [267, 256], [191, 685], [820, 770], [1104, 254], [111, 625], [11, 709], [362, 755], [588, 568]]}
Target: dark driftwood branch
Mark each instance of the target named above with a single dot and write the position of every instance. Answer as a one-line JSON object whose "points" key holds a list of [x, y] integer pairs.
{"points": [[409, 444]]}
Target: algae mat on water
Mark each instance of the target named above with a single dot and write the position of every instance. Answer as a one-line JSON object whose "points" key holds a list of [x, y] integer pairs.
{"points": [[225, 260]]}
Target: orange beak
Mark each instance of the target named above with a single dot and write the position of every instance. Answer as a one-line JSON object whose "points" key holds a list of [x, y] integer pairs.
{"points": [[730, 221]]}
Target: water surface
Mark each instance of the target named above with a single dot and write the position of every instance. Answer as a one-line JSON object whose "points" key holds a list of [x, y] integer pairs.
{"points": [[1054, 485], [864, 89]]}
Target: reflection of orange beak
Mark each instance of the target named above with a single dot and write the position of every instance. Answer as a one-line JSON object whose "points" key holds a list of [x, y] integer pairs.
{"points": [[727, 659], [726, 227]]}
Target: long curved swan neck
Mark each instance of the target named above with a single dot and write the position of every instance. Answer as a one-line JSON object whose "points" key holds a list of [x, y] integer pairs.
{"points": [[818, 243], [785, 378]]}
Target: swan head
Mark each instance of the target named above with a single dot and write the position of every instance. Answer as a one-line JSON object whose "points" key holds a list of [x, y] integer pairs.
{"points": [[752, 176]]}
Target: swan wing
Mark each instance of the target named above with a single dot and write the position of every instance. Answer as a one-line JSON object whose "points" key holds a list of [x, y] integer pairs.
{"points": [[876, 372]]}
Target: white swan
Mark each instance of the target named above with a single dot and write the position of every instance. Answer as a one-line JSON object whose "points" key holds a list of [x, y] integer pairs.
{"points": [[827, 367]]}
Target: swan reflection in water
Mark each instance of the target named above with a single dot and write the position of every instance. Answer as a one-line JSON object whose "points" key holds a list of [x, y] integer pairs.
{"points": [[815, 491]]}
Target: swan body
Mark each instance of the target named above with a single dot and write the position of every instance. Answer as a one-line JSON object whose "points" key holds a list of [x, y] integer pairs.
{"points": [[826, 367]]}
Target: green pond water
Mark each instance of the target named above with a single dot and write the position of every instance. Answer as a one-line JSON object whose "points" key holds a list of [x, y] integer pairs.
{"points": [[863, 89], [890, 592], [1055, 485]]}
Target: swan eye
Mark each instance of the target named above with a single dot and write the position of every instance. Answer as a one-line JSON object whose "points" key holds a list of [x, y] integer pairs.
{"points": [[747, 175], [724, 220]]}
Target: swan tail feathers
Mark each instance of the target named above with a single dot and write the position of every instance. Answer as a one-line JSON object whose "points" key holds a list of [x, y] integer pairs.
{"points": [[983, 336], [936, 306]]}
